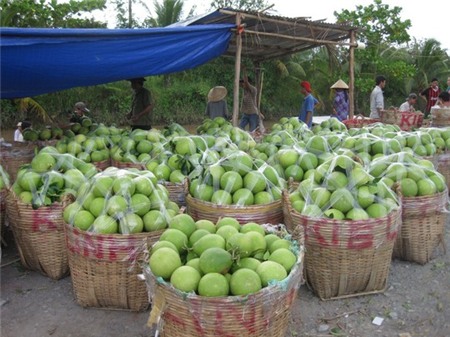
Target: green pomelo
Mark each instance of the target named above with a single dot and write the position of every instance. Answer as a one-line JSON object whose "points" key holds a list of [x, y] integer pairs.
{"points": [[253, 227], [246, 262], [160, 244], [285, 257], [262, 198], [140, 204], [255, 181], [196, 235], [69, 212], [83, 220], [259, 244], [105, 224], [226, 231], [131, 223], [426, 187], [213, 285], [342, 200], [271, 238], [43, 162], [102, 185], [154, 220], [194, 263], [270, 271], [116, 205], [208, 241], [177, 237], [206, 224], [221, 197], [277, 244], [185, 278], [357, 214], [243, 197], [184, 223], [228, 221], [244, 282], [408, 187], [231, 181], [164, 262], [215, 260], [240, 244], [124, 186], [30, 181], [377, 211]]}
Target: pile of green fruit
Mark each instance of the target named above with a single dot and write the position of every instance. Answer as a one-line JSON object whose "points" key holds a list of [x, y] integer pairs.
{"points": [[341, 188], [50, 176], [415, 176], [122, 201], [238, 179], [222, 259]]}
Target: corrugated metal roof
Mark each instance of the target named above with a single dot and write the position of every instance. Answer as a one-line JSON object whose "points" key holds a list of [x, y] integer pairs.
{"points": [[269, 36]]}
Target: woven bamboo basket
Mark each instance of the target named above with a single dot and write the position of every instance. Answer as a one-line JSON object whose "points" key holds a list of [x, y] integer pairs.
{"points": [[263, 314], [443, 167], [423, 227], [39, 236], [14, 157], [404, 119], [359, 121], [291, 219], [105, 268], [440, 117], [271, 213], [125, 165], [347, 258], [102, 165], [176, 193]]}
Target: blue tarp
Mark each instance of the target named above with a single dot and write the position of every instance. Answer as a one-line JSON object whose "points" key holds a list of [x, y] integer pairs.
{"points": [[36, 61]]}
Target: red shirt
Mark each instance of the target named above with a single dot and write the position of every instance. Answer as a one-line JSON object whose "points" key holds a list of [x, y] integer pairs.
{"points": [[432, 96]]}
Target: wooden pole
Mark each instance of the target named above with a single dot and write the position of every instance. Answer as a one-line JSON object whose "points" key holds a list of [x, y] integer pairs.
{"points": [[351, 84], [237, 70], [259, 85]]}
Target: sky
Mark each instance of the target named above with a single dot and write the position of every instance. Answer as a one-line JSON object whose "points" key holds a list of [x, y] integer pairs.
{"points": [[427, 21]]}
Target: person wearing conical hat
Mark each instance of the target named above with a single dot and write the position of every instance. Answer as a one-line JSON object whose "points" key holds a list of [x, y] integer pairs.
{"points": [[340, 101], [217, 105]]}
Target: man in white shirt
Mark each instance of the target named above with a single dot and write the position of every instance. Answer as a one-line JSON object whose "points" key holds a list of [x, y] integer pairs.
{"points": [[408, 106], [376, 97], [18, 137]]}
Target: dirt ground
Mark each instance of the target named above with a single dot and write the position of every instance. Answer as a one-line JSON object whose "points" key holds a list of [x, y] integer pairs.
{"points": [[416, 303]]}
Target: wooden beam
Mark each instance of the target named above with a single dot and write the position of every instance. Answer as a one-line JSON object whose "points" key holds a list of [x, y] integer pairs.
{"points": [[351, 75], [298, 38], [237, 72]]}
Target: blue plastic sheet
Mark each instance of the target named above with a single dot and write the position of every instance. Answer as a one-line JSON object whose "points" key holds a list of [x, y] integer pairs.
{"points": [[36, 61]]}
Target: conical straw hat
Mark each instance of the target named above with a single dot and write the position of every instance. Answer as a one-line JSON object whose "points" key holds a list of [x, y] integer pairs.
{"points": [[217, 94], [340, 84]]}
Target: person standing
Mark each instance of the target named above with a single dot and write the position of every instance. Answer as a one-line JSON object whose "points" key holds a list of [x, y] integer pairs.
{"points": [[249, 107], [448, 84], [430, 95], [18, 137], [340, 102], [217, 105], [408, 106], [141, 106], [308, 105], [377, 98]]}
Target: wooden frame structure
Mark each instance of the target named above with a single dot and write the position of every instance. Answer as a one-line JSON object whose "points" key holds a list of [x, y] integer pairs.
{"points": [[260, 37]]}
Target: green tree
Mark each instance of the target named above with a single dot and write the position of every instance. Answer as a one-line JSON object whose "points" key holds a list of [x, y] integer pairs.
{"points": [[246, 5], [383, 31], [167, 12], [50, 14]]}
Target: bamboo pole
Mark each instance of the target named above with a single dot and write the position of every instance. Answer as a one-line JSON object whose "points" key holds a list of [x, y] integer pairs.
{"points": [[237, 71], [351, 84]]}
